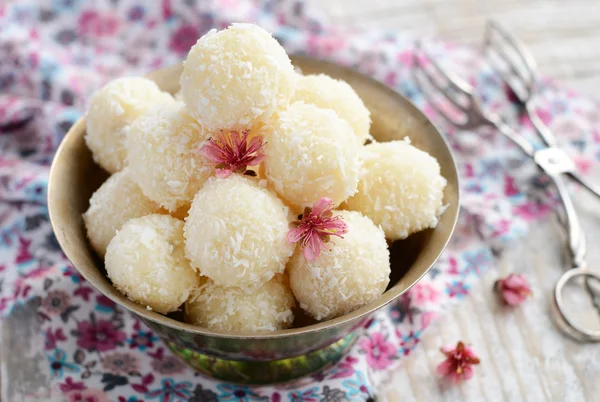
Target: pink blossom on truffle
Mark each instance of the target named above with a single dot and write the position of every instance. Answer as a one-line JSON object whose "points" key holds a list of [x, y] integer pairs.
{"points": [[232, 152], [458, 366], [315, 227], [513, 289]]}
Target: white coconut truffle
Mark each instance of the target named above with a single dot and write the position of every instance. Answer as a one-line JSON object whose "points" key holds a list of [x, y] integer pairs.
{"points": [[118, 200], [328, 93], [111, 112], [269, 308], [146, 262], [163, 151], [236, 78], [401, 188], [236, 233], [311, 153], [349, 273]]}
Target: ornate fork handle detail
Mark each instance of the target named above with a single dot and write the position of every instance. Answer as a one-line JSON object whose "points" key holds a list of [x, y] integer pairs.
{"points": [[551, 160]]}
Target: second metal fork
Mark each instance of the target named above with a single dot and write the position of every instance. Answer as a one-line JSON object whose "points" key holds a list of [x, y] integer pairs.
{"points": [[520, 74], [551, 160]]}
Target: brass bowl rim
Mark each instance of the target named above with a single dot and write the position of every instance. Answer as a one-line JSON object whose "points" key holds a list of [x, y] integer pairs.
{"points": [[358, 314]]}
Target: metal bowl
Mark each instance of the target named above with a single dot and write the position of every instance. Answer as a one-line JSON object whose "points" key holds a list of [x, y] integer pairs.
{"points": [[258, 358]]}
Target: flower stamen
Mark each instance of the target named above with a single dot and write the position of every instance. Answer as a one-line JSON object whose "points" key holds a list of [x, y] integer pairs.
{"points": [[232, 152], [315, 227]]}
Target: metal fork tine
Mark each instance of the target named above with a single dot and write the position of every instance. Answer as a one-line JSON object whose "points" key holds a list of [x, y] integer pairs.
{"points": [[529, 63], [442, 89], [526, 74], [422, 74], [501, 52], [443, 114], [457, 83], [521, 50]]}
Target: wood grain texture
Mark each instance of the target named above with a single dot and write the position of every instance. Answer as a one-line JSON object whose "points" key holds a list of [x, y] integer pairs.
{"points": [[524, 355], [564, 36]]}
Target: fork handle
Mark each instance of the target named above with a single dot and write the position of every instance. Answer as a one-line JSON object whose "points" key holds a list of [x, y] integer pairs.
{"points": [[541, 128], [577, 242], [590, 186]]}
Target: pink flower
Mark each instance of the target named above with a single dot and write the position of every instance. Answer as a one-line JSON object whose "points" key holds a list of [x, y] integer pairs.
{"points": [[168, 365], [231, 152], [510, 188], [100, 335], [184, 38], [314, 228], [56, 302], [379, 351], [531, 210], [458, 364], [513, 289], [583, 164], [94, 24], [120, 363], [23, 255], [52, 337], [422, 293], [87, 395], [70, 385], [326, 45]]}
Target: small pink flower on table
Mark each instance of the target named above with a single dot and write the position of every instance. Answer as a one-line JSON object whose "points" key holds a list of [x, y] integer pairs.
{"points": [[232, 152], [315, 227], [513, 289], [458, 366]]}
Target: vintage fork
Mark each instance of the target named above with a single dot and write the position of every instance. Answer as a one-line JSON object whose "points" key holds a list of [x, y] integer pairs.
{"points": [[522, 78], [551, 160]]}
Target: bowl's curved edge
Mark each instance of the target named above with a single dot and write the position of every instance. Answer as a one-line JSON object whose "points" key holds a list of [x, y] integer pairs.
{"points": [[354, 316]]}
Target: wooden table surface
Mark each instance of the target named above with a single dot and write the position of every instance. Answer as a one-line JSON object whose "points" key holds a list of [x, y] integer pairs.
{"points": [[523, 355]]}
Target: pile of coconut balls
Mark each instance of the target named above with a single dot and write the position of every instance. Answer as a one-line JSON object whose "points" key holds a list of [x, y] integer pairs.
{"points": [[254, 194]]}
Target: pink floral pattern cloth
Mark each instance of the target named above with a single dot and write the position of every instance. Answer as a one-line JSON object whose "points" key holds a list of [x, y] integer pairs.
{"points": [[55, 53]]}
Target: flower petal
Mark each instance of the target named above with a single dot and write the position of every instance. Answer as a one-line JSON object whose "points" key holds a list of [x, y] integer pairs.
{"points": [[256, 160], [512, 298], [467, 373], [212, 152], [255, 144], [445, 368], [313, 248], [223, 173], [322, 205], [296, 234]]}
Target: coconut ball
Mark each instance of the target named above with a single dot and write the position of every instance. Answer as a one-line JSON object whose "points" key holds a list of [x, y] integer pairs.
{"points": [[236, 233], [146, 262], [401, 188], [118, 200], [163, 150], [349, 273], [112, 111], [311, 153], [328, 93], [269, 308], [237, 77]]}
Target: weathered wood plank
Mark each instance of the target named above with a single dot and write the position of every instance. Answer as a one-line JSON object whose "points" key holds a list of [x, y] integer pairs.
{"points": [[24, 367], [563, 36]]}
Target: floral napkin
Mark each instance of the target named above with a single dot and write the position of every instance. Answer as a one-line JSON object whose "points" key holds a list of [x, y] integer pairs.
{"points": [[55, 53]]}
